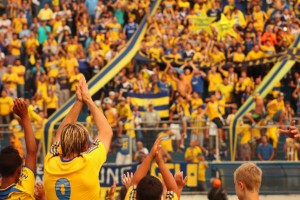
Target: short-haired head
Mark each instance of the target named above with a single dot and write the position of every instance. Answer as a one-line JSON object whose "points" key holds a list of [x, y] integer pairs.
{"points": [[149, 188], [10, 162], [250, 175], [74, 139]]}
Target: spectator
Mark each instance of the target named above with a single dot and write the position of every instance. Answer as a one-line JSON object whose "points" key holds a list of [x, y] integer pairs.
{"points": [[141, 152], [275, 108], [202, 166], [123, 144], [6, 105], [198, 125], [245, 149], [192, 152], [166, 134], [151, 121], [137, 118], [45, 14], [130, 28], [265, 151], [124, 114]]}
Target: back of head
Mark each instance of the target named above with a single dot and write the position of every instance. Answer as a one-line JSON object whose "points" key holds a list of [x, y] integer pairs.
{"points": [[149, 188], [10, 161], [249, 174], [74, 139], [122, 193]]}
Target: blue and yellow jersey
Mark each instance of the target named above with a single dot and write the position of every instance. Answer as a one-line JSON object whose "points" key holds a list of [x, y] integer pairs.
{"points": [[23, 189], [131, 194], [74, 179]]}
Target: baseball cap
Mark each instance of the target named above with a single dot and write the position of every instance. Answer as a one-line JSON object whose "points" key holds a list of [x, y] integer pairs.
{"points": [[97, 103], [281, 94], [107, 100], [111, 93]]}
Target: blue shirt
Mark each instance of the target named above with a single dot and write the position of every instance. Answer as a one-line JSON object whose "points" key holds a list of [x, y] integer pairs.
{"points": [[91, 5], [42, 34], [124, 145], [265, 151], [130, 29], [164, 86], [198, 84]]}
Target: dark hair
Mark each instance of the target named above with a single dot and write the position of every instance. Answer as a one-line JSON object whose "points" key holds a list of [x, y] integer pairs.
{"points": [[10, 160], [149, 188], [122, 193]]}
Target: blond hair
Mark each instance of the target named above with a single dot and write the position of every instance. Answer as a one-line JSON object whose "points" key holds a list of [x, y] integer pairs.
{"points": [[249, 174], [73, 139]]}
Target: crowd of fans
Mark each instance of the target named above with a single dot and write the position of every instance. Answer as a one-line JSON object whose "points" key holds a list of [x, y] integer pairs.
{"points": [[47, 47]]}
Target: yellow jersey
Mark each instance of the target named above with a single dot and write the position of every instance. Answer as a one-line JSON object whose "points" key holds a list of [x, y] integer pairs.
{"points": [[131, 194], [196, 103], [124, 112], [166, 144], [16, 49], [198, 122], [213, 110], [51, 102], [246, 134], [192, 152], [71, 64], [24, 189], [6, 105], [20, 71], [201, 171], [214, 81], [111, 116], [10, 79], [74, 79], [74, 179], [16, 128], [275, 106]]}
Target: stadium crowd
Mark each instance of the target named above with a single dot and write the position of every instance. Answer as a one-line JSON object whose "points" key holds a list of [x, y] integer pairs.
{"points": [[47, 46]]}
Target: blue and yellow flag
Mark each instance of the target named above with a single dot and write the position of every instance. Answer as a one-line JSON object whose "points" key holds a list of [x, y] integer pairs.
{"points": [[160, 102]]}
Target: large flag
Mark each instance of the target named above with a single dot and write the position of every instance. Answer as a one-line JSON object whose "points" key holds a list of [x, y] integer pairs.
{"points": [[160, 101]]}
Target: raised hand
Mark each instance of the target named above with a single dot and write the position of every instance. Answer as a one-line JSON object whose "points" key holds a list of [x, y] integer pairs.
{"points": [[126, 180], [112, 190], [292, 131], [39, 192], [180, 181], [78, 90], [86, 96], [155, 147], [20, 108]]}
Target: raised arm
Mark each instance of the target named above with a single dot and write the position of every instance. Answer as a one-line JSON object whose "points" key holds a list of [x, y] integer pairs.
{"points": [[73, 113], [20, 108], [142, 171], [166, 174], [104, 129]]}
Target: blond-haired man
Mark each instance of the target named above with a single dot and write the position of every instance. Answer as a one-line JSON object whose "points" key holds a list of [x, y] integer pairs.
{"points": [[247, 181]]}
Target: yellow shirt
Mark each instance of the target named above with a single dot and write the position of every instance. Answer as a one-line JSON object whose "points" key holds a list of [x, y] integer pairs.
{"points": [[217, 58], [18, 24], [246, 134], [42, 88], [198, 122], [20, 71], [196, 103], [131, 194], [16, 128], [16, 50], [45, 14], [166, 144], [226, 90], [31, 44], [111, 116], [192, 152], [129, 127], [52, 68], [115, 29], [71, 64], [51, 102], [252, 55], [239, 57], [124, 111], [213, 110], [275, 106], [6, 105], [74, 179], [201, 171], [39, 126], [32, 114], [10, 79], [23, 189], [182, 4], [268, 50], [214, 81]]}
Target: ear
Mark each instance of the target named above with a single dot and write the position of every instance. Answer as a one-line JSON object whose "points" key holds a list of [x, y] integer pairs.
{"points": [[241, 185]]}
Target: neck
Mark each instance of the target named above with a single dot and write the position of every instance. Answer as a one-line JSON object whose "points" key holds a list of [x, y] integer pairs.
{"points": [[7, 181], [251, 196]]}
